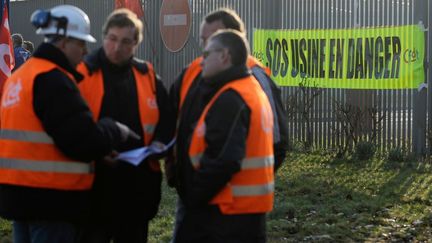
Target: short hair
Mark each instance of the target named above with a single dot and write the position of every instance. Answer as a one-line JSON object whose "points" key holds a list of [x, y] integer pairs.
{"points": [[229, 18], [29, 46], [123, 17], [235, 42], [17, 39]]}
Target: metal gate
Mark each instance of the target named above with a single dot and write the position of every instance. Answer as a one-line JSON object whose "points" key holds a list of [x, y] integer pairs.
{"points": [[404, 111]]}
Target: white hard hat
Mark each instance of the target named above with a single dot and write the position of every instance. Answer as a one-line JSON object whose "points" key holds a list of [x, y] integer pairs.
{"points": [[75, 22]]}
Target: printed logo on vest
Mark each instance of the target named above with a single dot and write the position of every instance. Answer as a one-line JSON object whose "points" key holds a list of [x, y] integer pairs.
{"points": [[151, 102], [266, 120], [12, 94]]}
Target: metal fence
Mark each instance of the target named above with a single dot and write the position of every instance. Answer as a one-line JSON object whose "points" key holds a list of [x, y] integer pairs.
{"points": [[405, 111]]}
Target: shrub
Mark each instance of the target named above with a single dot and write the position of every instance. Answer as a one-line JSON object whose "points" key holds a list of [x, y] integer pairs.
{"points": [[364, 150], [290, 146], [396, 154]]}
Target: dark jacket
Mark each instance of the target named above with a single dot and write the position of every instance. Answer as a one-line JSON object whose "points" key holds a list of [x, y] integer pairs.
{"points": [[67, 119], [123, 191], [227, 125], [271, 89], [280, 132]]}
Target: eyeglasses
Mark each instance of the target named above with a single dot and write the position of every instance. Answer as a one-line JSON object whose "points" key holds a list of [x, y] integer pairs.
{"points": [[123, 42], [207, 53]]}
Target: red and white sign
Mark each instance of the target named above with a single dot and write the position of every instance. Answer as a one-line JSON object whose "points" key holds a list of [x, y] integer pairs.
{"points": [[174, 23], [6, 48]]}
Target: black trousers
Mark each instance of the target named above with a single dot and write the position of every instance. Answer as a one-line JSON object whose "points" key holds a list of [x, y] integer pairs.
{"points": [[209, 225], [118, 232]]}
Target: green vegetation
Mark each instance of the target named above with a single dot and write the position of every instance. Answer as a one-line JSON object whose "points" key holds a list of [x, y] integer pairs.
{"points": [[5, 231], [322, 199]]}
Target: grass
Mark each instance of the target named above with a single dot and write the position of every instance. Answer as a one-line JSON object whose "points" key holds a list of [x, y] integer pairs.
{"points": [[5, 231], [322, 199]]}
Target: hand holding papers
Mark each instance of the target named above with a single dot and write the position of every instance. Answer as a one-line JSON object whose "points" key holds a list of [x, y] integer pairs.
{"points": [[136, 156]]}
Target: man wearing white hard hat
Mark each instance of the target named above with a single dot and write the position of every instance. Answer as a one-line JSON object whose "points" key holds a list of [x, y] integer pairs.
{"points": [[48, 137]]}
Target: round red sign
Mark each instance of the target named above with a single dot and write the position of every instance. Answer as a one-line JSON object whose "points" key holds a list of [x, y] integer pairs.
{"points": [[174, 23]]}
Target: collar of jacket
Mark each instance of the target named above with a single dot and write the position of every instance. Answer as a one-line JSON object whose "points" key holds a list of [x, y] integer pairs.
{"points": [[210, 86], [232, 73], [95, 60], [51, 53]]}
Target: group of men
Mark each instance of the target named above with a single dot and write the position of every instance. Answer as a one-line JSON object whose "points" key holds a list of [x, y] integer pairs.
{"points": [[66, 114], [23, 49]]}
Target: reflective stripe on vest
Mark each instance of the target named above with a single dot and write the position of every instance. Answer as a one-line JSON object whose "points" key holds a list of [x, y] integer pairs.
{"points": [[248, 163], [150, 129], [34, 165], [28, 155], [195, 160], [26, 136], [46, 166], [251, 189]]}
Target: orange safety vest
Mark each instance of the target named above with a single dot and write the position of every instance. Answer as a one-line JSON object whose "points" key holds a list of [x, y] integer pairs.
{"points": [[195, 69], [250, 190], [92, 89], [189, 76], [28, 155]]}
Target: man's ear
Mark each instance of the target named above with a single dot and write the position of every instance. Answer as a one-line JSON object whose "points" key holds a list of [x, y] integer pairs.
{"points": [[61, 44], [226, 56]]}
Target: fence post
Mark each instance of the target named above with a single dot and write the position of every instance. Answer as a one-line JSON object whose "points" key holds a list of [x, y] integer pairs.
{"points": [[421, 99], [427, 75], [419, 122], [275, 8]]}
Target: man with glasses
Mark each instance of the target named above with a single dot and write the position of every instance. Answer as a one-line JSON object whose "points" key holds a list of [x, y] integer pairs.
{"points": [[187, 86], [118, 85], [225, 178], [48, 138]]}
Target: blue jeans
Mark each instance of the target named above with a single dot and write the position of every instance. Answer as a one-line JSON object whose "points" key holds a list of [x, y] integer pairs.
{"points": [[43, 232]]}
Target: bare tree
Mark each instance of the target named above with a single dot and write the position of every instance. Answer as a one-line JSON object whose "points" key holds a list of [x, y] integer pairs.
{"points": [[354, 126], [302, 102]]}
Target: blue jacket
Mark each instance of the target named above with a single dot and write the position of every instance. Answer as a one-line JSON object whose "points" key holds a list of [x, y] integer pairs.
{"points": [[21, 55]]}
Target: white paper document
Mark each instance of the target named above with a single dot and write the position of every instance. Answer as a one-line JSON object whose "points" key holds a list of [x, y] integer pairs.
{"points": [[136, 156]]}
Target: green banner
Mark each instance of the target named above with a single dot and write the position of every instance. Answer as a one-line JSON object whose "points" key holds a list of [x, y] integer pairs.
{"points": [[367, 58]]}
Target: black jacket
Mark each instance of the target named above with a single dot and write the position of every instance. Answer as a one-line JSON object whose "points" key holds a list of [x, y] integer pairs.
{"points": [[123, 191], [227, 124], [280, 138], [67, 119]]}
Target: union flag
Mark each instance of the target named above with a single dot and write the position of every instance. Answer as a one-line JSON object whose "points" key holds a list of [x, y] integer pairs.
{"points": [[133, 5], [6, 45]]}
